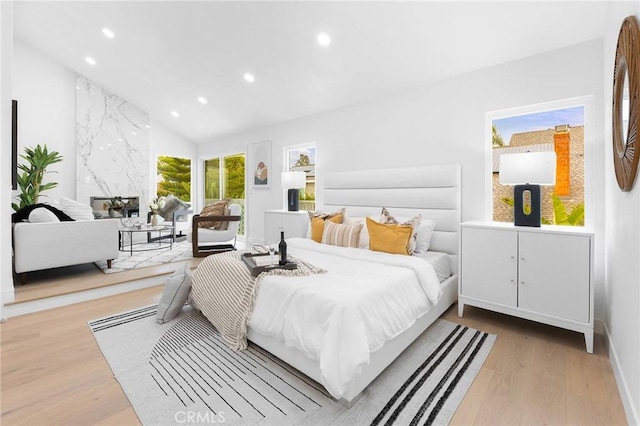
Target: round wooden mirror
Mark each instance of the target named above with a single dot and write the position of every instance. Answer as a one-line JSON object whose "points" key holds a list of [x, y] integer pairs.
{"points": [[626, 86]]}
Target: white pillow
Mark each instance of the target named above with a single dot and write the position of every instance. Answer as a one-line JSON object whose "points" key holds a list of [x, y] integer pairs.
{"points": [[425, 232], [175, 294], [42, 215], [363, 243], [76, 210]]}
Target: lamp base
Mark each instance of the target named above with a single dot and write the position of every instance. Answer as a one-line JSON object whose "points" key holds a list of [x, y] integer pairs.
{"points": [[526, 205], [292, 200]]}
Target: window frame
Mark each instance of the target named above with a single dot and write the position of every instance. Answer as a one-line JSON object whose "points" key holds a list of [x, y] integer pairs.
{"points": [[285, 167], [589, 123]]}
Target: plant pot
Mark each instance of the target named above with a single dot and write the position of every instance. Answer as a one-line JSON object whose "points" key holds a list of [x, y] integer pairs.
{"points": [[154, 219]]}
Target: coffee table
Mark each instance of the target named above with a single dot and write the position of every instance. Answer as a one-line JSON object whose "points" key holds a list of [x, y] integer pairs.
{"points": [[162, 230]]}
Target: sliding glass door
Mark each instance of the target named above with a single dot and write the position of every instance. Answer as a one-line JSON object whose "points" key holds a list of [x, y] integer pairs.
{"points": [[224, 178]]}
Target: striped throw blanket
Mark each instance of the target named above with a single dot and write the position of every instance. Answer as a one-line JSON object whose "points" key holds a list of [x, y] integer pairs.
{"points": [[224, 290]]}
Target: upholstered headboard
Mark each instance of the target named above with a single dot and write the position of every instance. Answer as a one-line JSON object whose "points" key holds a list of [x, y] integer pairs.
{"points": [[433, 191]]}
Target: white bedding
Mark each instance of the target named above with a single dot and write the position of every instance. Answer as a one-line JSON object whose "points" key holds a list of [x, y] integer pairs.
{"points": [[440, 262], [338, 318]]}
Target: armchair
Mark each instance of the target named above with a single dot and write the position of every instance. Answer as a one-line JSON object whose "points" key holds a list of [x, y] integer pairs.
{"points": [[181, 225], [206, 241]]}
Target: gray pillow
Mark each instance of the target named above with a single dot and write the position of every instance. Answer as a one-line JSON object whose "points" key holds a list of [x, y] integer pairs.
{"points": [[171, 204], [175, 294]]}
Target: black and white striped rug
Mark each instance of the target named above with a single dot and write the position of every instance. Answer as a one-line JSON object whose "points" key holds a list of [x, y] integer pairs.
{"points": [[181, 372]]}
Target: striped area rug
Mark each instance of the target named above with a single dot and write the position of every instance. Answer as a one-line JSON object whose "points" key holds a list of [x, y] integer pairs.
{"points": [[181, 372]]}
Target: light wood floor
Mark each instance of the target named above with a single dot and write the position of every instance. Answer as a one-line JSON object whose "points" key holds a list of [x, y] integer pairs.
{"points": [[53, 372]]}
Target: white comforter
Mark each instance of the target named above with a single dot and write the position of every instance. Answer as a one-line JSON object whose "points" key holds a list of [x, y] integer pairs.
{"points": [[341, 316]]}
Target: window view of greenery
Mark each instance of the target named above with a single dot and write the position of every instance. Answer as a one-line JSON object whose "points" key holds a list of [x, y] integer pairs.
{"points": [[304, 159], [174, 177], [560, 131], [224, 178]]}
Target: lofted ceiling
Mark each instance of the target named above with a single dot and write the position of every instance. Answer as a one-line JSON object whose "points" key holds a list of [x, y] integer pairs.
{"points": [[166, 54]]}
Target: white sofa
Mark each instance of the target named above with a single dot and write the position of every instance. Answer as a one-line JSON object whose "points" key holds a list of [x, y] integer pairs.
{"points": [[47, 245]]}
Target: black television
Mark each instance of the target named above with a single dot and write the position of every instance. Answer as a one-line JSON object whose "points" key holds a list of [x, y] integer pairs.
{"points": [[14, 144]]}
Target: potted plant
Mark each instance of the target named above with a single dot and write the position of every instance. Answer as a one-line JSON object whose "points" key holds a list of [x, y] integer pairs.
{"points": [[33, 171]]}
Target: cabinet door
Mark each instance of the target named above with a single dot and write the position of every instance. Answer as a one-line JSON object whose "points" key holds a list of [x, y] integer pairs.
{"points": [[554, 274], [489, 265]]}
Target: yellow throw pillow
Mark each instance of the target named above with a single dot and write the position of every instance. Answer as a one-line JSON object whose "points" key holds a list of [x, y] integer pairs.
{"points": [[389, 238], [385, 217], [317, 226]]}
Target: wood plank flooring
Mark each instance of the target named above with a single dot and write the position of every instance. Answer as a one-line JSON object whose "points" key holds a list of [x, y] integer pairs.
{"points": [[54, 374]]}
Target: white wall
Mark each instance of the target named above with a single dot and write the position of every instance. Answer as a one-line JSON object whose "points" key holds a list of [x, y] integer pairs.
{"points": [[6, 44], [622, 242], [46, 95], [442, 123]]}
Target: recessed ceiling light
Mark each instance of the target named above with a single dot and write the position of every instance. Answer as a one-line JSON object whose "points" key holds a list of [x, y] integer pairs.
{"points": [[202, 100], [324, 39], [108, 33], [134, 133], [249, 77], [90, 60], [175, 113], [147, 126]]}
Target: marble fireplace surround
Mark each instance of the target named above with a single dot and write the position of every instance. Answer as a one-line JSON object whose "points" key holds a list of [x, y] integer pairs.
{"points": [[112, 146]]}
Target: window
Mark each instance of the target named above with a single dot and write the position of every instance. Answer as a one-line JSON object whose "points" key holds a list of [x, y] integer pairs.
{"points": [[174, 177], [560, 130], [224, 178], [303, 158]]}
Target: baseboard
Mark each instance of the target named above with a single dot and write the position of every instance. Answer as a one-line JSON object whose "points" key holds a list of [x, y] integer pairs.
{"points": [[623, 387]]}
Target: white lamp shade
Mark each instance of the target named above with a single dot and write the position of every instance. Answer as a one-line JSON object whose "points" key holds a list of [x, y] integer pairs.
{"points": [[294, 180], [536, 168]]}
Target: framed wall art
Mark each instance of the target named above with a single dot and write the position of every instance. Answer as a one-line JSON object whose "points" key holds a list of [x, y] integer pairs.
{"points": [[261, 164], [626, 103]]}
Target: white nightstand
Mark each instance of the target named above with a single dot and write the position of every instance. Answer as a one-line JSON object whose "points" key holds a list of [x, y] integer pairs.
{"points": [[542, 274], [294, 224]]}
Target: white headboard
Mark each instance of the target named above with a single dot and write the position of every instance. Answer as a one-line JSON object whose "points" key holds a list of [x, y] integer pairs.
{"points": [[433, 191]]}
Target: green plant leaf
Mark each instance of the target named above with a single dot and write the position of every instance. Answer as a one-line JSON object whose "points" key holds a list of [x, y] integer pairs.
{"points": [[576, 217], [559, 211], [508, 201]]}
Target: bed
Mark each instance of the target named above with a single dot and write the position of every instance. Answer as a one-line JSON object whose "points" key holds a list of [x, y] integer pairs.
{"points": [[423, 292]]}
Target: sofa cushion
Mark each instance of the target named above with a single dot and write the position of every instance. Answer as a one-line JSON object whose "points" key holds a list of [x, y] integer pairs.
{"points": [[41, 215], [219, 208], [23, 214], [171, 204], [76, 210]]}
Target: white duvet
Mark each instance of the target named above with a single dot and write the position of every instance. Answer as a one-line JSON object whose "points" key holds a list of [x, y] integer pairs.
{"points": [[339, 317]]}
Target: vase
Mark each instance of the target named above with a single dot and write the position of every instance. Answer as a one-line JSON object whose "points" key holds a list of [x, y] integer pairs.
{"points": [[154, 219]]}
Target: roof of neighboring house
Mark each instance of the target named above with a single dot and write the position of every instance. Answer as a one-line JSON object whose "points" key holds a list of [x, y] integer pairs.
{"points": [[534, 141], [498, 151], [310, 169]]}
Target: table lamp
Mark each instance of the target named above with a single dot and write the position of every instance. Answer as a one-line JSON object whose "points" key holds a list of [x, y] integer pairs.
{"points": [[527, 171], [293, 181]]}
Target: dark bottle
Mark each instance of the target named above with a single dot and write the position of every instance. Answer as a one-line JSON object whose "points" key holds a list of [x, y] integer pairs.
{"points": [[282, 248]]}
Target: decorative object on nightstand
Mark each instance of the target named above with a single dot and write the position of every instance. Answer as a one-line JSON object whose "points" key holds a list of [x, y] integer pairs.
{"points": [[626, 103], [527, 171], [293, 181]]}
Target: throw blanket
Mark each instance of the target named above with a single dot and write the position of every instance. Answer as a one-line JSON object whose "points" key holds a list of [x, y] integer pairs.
{"points": [[224, 290]]}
